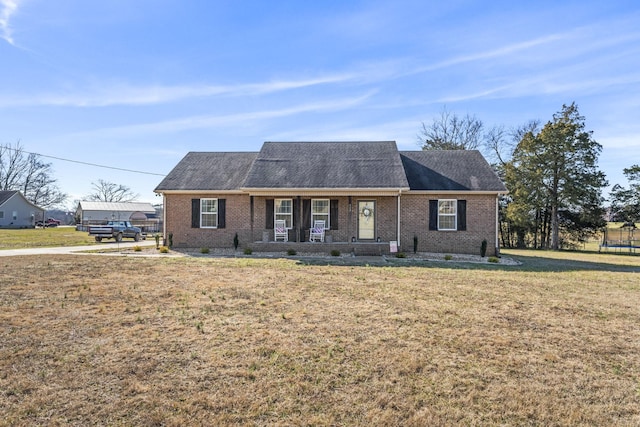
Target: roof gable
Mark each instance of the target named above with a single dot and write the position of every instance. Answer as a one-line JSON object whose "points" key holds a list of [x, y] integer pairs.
{"points": [[6, 195], [319, 165], [450, 170]]}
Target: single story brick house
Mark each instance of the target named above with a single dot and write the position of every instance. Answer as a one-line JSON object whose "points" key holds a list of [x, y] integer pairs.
{"points": [[369, 197]]}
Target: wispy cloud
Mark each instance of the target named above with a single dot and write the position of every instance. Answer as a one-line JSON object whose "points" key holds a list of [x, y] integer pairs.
{"points": [[124, 94], [229, 120], [495, 53], [7, 9]]}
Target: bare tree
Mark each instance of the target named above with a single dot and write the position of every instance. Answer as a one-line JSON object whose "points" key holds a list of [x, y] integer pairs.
{"points": [[27, 173], [105, 191], [451, 132], [500, 143]]}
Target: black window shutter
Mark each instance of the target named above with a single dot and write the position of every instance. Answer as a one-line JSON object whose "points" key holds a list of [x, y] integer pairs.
{"points": [[462, 215], [195, 213], [333, 214], [296, 212], [268, 218], [222, 211], [433, 214], [306, 217]]}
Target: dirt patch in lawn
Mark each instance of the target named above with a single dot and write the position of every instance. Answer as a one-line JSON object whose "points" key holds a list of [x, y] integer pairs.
{"points": [[223, 341]]}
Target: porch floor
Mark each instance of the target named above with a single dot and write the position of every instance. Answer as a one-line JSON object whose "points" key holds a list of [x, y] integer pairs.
{"points": [[355, 248]]}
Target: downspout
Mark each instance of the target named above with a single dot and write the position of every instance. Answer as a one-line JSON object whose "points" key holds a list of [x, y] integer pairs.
{"points": [[497, 225], [164, 219], [299, 229], [398, 231], [251, 221]]}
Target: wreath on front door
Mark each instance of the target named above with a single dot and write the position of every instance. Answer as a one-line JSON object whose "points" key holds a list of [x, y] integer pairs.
{"points": [[366, 212]]}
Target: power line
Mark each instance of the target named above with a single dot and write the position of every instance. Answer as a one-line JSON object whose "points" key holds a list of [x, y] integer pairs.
{"points": [[86, 163]]}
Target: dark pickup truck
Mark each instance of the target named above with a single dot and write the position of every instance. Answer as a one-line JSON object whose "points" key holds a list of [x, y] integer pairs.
{"points": [[116, 230]]}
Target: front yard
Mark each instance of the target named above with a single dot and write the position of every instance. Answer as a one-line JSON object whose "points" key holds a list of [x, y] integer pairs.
{"points": [[227, 341]]}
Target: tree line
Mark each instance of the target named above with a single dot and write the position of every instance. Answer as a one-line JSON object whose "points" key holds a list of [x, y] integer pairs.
{"points": [[551, 172], [34, 178]]}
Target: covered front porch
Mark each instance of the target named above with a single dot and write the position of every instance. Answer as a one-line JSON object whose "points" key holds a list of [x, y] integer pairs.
{"points": [[365, 221]]}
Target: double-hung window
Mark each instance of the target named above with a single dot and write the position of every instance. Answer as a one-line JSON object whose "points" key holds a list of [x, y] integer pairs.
{"points": [[447, 215], [208, 213], [283, 210], [320, 211]]}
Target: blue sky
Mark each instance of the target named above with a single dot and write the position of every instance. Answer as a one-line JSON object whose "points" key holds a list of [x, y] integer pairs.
{"points": [[136, 84]]}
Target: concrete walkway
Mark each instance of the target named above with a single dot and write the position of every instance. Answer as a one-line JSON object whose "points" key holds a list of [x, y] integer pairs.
{"points": [[109, 246]]}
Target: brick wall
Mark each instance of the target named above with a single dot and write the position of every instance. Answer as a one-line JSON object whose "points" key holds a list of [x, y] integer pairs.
{"points": [[481, 225], [178, 222], [414, 219]]}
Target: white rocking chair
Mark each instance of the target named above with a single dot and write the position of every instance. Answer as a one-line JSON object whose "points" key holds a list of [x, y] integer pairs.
{"points": [[280, 231], [316, 234]]}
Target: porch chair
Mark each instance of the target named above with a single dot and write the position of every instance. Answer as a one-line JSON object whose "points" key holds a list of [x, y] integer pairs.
{"points": [[317, 232], [280, 231]]}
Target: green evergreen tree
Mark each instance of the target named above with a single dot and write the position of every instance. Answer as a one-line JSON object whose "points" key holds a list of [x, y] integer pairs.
{"points": [[554, 180], [625, 202]]}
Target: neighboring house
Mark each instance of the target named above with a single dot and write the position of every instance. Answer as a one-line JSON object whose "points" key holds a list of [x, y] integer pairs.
{"points": [[139, 213], [17, 212], [368, 194]]}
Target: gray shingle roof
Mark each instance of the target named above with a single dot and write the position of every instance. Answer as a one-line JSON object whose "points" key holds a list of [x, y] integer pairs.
{"points": [[450, 170], [209, 171], [333, 165], [6, 195], [327, 165]]}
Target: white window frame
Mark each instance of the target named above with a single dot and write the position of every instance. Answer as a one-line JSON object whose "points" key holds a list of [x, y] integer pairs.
{"points": [[208, 212], [316, 216], [15, 215], [450, 213], [1, 214], [286, 216]]}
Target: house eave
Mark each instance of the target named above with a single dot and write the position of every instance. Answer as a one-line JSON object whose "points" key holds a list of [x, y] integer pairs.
{"points": [[236, 191], [474, 192], [331, 192]]}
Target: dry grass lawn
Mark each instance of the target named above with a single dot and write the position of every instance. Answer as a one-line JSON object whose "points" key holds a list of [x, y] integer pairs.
{"points": [[94, 340]]}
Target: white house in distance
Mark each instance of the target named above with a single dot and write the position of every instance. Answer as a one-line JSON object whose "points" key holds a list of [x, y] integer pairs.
{"points": [[18, 212], [139, 213]]}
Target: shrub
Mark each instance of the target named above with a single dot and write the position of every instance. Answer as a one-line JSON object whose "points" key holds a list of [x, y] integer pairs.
{"points": [[137, 248], [483, 248], [248, 251], [291, 252], [236, 242], [335, 252], [204, 250], [494, 259], [401, 255], [448, 257], [170, 240], [415, 243], [157, 237], [164, 249]]}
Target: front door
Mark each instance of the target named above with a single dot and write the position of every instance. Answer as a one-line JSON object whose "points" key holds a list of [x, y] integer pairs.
{"points": [[366, 219]]}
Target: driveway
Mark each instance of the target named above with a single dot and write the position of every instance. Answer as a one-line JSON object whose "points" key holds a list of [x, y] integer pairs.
{"points": [[109, 246]]}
